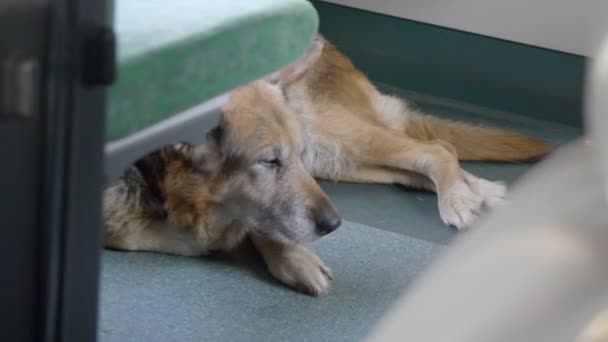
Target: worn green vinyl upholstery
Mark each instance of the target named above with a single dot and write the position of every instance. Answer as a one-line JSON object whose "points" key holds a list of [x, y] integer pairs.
{"points": [[175, 54]]}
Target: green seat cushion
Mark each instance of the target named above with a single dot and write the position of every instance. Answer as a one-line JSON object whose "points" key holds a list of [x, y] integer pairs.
{"points": [[175, 54]]}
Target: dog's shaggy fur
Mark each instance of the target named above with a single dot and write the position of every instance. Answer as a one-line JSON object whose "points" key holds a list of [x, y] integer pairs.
{"points": [[354, 133], [247, 180], [318, 117]]}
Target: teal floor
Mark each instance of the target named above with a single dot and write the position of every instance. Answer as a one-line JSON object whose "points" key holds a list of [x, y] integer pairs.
{"points": [[152, 297], [389, 236]]}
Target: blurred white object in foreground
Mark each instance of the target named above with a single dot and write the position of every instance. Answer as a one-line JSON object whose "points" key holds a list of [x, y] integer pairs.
{"points": [[597, 108], [535, 270]]}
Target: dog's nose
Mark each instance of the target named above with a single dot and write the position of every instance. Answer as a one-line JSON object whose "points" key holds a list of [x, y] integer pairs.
{"points": [[327, 221]]}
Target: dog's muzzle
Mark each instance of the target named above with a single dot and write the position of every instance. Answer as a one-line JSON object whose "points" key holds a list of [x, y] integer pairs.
{"points": [[327, 220]]}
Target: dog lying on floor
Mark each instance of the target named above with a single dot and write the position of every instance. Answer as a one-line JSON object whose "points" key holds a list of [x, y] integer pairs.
{"points": [[253, 177]]}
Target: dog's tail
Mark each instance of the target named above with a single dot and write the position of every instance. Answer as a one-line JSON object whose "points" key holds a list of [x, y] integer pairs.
{"points": [[475, 143]]}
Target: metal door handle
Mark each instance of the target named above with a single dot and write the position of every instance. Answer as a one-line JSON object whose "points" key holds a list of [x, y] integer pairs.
{"points": [[19, 85]]}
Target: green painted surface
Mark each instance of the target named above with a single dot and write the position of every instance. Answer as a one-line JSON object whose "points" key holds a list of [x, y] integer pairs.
{"points": [[457, 65], [176, 54]]}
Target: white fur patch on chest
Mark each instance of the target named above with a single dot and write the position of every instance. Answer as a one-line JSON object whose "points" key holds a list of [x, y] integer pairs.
{"points": [[392, 111], [323, 154]]}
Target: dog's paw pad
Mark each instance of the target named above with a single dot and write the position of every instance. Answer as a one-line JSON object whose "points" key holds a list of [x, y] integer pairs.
{"points": [[460, 206], [303, 270]]}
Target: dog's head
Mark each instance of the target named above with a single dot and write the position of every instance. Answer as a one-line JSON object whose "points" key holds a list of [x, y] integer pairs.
{"points": [[249, 170], [255, 171]]}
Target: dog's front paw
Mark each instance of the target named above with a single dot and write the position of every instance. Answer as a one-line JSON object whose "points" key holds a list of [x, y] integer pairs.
{"points": [[460, 206], [298, 267], [494, 194]]}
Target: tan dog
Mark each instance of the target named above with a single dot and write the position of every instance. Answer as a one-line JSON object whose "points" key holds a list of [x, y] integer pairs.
{"points": [[247, 180], [352, 132], [318, 116]]}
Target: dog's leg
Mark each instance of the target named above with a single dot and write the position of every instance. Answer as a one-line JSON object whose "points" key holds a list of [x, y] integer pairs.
{"points": [[460, 195], [155, 239], [387, 176], [494, 193], [294, 265]]}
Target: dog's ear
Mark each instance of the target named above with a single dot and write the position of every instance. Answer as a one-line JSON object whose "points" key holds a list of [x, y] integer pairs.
{"points": [[296, 69], [208, 157], [153, 164]]}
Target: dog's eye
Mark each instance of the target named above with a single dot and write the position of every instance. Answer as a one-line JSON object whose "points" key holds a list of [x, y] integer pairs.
{"points": [[274, 162]]}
